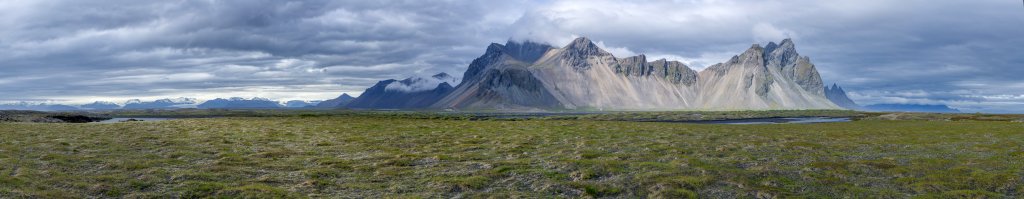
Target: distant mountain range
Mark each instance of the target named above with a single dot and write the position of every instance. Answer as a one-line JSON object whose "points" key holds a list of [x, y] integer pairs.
{"points": [[180, 102], [37, 107], [838, 96], [240, 103], [170, 103], [910, 108], [301, 103], [100, 105]]}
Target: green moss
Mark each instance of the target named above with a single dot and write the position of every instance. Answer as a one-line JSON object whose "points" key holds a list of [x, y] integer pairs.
{"points": [[197, 189], [255, 191], [378, 155]]}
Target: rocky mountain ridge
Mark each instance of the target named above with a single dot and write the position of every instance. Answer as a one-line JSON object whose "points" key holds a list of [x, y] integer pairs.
{"points": [[837, 95], [582, 76]]}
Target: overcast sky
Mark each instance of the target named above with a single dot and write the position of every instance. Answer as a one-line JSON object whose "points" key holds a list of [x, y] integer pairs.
{"points": [[967, 54]]}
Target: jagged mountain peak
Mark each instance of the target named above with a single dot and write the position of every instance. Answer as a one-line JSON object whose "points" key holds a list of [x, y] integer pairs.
{"points": [[755, 49], [771, 47], [494, 48], [340, 101], [582, 46], [753, 55], [581, 42], [838, 96], [782, 55], [576, 53]]}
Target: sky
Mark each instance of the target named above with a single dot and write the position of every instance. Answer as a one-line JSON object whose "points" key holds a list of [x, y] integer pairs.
{"points": [[966, 54]]}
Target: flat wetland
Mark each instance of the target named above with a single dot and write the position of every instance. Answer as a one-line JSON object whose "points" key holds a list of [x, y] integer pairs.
{"points": [[314, 154]]}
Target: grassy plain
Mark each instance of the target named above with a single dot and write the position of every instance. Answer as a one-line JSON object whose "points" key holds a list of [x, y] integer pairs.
{"points": [[384, 155]]}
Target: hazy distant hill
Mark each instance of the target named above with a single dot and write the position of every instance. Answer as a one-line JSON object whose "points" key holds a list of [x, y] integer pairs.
{"points": [[911, 108], [238, 102], [838, 96], [37, 107], [100, 105], [340, 101], [301, 103]]}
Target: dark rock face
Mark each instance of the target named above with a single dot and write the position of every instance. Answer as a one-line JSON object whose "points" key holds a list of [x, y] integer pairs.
{"points": [[240, 103], [504, 88], [493, 55], [500, 79], [576, 53], [838, 96], [338, 102], [804, 74], [674, 71], [527, 51], [784, 57], [760, 79], [634, 66], [381, 97]]}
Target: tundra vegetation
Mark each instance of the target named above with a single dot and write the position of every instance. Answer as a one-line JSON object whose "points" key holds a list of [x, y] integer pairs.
{"points": [[344, 154]]}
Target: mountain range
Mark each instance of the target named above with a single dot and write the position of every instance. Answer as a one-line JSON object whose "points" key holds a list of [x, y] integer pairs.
{"points": [[578, 76], [238, 102], [37, 107], [302, 103], [180, 102], [582, 76], [101, 105]]}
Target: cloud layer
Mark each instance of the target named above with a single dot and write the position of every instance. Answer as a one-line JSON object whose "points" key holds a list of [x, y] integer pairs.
{"points": [[962, 53]]}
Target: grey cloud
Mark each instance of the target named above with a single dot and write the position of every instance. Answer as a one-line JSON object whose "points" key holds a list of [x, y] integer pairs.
{"points": [[69, 49]]}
